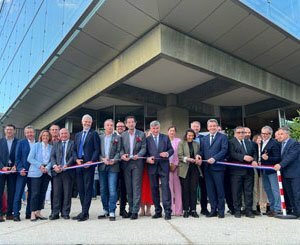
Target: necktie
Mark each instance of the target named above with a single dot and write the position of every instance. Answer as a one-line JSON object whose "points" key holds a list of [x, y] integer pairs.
{"points": [[63, 160], [80, 151], [282, 146], [211, 139], [156, 141], [244, 146]]}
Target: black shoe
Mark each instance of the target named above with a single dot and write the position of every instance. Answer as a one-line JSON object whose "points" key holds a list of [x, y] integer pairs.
{"points": [[1, 218], [17, 218], [9, 217], [53, 217], [103, 216], [185, 214], [221, 216], [204, 212], [156, 216], [66, 216], [34, 220], [112, 218], [243, 212], [209, 215], [83, 218], [123, 213], [231, 211], [134, 216], [167, 216], [41, 218], [250, 215], [237, 215], [126, 215], [77, 217], [27, 216], [255, 212], [271, 214], [194, 214]]}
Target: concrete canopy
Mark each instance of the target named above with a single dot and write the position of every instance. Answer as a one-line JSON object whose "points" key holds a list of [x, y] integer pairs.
{"points": [[124, 39]]}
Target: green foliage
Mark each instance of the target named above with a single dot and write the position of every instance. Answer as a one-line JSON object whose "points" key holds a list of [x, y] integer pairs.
{"points": [[295, 127], [229, 132]]}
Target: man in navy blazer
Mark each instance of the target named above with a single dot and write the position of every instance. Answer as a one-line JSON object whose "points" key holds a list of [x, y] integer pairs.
{"points": [[159, 149], [214, 148], [290, 168], [87, 150], [22, 152], [270, 155], [7, 162]]}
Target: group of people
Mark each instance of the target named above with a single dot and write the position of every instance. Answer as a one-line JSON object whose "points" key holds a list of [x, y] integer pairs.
{"points": [[135, 167]]}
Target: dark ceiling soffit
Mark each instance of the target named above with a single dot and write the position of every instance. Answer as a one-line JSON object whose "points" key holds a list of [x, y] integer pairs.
{"points": [[265, 105]]}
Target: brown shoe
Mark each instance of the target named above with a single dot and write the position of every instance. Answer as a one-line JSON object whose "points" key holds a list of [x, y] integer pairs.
{"points": [[1, 218], [10, 217]]}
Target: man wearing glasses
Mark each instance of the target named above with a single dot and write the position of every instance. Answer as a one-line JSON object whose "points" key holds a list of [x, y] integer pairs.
{"points": [[270, 155]]}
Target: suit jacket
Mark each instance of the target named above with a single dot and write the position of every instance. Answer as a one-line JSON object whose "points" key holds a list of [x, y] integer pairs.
{"points": [[290, 159], [5, 156], [22, 152], [164, 145], [35, 158], [56, 156], [183, 153], [237, 153], [217, 150], [91, 146], [274, 154], [114, 153]]}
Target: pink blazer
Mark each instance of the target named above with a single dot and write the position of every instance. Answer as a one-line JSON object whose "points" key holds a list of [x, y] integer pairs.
{"points": [[174, 158]]}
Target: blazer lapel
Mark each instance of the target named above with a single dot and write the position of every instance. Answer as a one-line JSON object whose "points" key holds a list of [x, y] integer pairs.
{"points": [[286, 147], [102, 138], [214, 140]]}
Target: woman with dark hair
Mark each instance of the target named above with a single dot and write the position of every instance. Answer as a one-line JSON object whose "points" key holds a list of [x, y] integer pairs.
{"points": [[189, 173], [174, 181], [39, 159]]}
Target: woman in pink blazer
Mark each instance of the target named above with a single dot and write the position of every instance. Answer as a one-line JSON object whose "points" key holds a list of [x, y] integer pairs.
{"points": [[174, 181]]}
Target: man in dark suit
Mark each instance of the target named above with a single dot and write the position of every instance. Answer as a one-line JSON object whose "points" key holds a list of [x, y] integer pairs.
{"points": [[290, 168], [214, 148], [196, 126], [22, 165], [87, 150], [133, 148], [270, 155], [109, 170], [62, 155], [242, 151], [7, 162], [159, 149]]}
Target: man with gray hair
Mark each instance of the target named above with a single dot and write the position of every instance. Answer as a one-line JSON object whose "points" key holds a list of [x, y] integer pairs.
{"points": [[270, 155], [159, 149]]}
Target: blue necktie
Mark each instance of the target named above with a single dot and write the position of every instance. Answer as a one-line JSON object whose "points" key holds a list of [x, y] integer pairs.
{"points": [[63, 162], [80, 151], [282, 146], [156, 141]]}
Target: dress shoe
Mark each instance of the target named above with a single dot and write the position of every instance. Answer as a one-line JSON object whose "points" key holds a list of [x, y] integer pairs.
{"points": [[156, 216], [41, 218], [134, 216], [243, 212], [237, 215], [66, 216], [1, 218], [34, 220], [9, 217], [250, 215], [256, 212], [112, 218], [204, 212], [231, 211], [209, 215], [185, 214], [103, 216], [221, 216], [17, 218], [53, 217], [126, 215], [83, 218], [167, 216], [271, 214], [194, 214], [27, 216], [123, 213], [77, 217]]}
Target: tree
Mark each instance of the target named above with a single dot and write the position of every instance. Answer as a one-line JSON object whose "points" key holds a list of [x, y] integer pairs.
{"points": [[295, 127]]}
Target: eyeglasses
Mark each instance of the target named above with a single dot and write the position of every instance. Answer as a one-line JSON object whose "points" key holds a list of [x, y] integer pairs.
{"points": [[240, 132], [120, 126], [265, 133]]}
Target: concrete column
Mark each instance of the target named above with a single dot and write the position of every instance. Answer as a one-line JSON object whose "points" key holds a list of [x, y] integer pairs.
{"points": [[69, 124], [175, 116]]}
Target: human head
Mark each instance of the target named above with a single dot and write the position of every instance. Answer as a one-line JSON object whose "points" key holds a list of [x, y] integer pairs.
{"points": [[155, 128], [130, 122], [212, 126], [172, 131], [196, 126], [189, 135], [247, 133], [10, 131], [239, 133], [64, 134], [86, 122], [266, 132], [29, 132], [45, 136], [109, 126], [283, 134], [120, 127], [257, 139]]}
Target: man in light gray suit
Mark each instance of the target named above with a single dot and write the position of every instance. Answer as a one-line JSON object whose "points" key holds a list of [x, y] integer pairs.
{"points": [[62, 156], [133, 148], [109, 170]]}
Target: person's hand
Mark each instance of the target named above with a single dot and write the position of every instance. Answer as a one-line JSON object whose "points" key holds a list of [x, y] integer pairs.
{"points": [[198, 160], [211, 160], [111, 161], [105, 160], [265, 156], [135, 157], [277, 167], [57, 169], [125, 157], [79, 161], [89, 162], [254, 164], [164, 154], [191, 160], [150, 160], [248, 158], [13, 168], [23, 172], [6, 168]]}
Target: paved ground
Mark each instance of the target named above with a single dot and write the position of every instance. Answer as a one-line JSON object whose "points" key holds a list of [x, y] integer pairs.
{"points": [[261, 230]]}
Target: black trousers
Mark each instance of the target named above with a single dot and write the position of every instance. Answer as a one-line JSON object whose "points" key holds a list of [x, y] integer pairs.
{"points": [[166, 193], [203, 199], [39, 188], [227, 188], [292, 189], [62, 193], [85, 182], [189, 186], [10, 179], [238, 183], [122, 190]]}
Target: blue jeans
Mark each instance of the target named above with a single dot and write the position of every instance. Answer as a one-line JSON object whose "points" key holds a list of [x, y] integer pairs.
{"points": [[20, 186], [108, 190], [271, 187]]}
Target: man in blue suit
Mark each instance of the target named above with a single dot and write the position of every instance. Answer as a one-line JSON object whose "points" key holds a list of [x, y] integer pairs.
{"points": [[214, 148], [22, 152], [7, 162], [159, 149], [270, 155], [87, 149], [290, 168]]}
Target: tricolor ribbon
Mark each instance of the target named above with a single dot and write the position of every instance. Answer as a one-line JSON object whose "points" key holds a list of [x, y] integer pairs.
{"points": [[243, 165]]}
